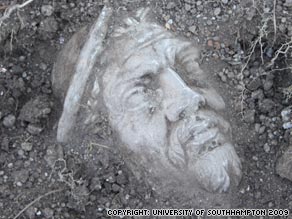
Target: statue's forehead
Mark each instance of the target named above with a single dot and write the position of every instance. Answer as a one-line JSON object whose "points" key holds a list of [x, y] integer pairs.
{"points": [[145, 59]]}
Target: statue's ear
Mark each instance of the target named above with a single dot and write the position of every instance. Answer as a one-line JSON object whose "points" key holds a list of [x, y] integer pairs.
{"points": [[65, 64]]}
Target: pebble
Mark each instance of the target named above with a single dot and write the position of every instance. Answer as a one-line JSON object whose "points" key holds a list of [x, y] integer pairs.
{"points": [[193, 29], [249, 116], [257, 127], [95, 184], [258, 94], [47, 10], [21, 58], [267, 148], [43, 66], [121, 179], [224, 1], [170, 5], [222, 76], [115, 187], [53, 153], [26, 146], [21, 175], [30, 212], [9, 121], [268, 84], [266, 105], [209, 22], [210, 43], [262, 130], [20, 153], [254, 84], [34, 129], [49, 25], [217, 11], [187, 7]]}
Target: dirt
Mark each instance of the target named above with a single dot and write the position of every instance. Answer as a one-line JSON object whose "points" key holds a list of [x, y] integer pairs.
{"points": [[49, 180]]}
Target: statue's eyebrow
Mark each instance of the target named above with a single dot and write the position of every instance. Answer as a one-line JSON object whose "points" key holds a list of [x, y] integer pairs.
{"points": [[144, 67]]}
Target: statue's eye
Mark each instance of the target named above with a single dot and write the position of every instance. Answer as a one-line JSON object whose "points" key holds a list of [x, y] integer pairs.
{"points": [[147, 78], [149, 81]]}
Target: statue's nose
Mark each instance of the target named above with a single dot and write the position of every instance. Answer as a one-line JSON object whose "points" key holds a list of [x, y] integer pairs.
{"points": [[178, 97]]}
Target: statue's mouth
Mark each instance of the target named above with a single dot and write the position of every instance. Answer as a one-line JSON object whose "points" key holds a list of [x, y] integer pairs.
{"points": [[194, 136]]}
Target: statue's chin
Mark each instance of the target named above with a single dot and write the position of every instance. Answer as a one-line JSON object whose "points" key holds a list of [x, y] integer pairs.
{"points": [[218, 168]]}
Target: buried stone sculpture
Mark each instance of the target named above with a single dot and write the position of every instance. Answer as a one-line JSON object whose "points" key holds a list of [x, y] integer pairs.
{"points": [[134, 72]]}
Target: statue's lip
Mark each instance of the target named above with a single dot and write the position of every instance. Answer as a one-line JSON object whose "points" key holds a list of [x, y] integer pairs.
{"points": [[195, 136]]}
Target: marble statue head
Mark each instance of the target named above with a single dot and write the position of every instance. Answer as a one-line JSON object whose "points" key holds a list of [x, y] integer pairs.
{"points": [[159, 102]]}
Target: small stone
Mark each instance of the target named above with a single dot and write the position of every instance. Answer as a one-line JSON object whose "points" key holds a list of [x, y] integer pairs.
{"points": [[193, 29], [267, 148], [284, 164], [269, 52], [262, 130], [217, 11], [5, 144], [38, 213], [115, 187], [187, 7], [21, 175], [54, 153], [209, 22], [250, 14], [258, 94], [121, 179], [217, 45], [35, 109], [34, 129], [49, 25], [21, 58], [17, 69], [30, 212], [266, 105], [210, 43], [20, 153], [170, 5], [43, 66], [95, 184], [47, 10], [224, 1], [257, 127], [9, 121], [249, 116], [268, 84], [254, 84], [222, 76], [26, 146]]}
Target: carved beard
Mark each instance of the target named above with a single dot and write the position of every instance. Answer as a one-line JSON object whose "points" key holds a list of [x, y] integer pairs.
{"points": [[198, 144]]}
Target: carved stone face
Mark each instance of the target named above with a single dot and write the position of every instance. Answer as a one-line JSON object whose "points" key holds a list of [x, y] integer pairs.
{"points": [[170, 126]]}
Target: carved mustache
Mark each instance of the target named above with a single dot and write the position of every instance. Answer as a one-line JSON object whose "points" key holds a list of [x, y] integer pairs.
{"points": [[196, 135]]}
